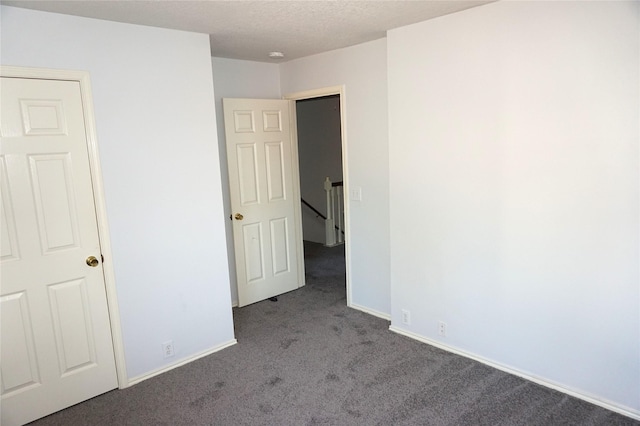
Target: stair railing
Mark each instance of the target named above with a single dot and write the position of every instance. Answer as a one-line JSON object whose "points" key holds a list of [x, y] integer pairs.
{"points": [[334, 222]]}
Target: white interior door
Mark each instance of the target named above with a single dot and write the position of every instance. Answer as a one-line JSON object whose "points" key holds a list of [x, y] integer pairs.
{"points": [[56, 344], [265, 200]]}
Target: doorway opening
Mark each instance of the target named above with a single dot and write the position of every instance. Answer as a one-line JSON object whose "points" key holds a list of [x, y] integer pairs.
{"points": [[320, 162], [322, 175]]}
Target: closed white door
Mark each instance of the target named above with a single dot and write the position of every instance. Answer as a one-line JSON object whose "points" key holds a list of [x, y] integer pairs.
{"points": [[56, 337], [265, 207]]}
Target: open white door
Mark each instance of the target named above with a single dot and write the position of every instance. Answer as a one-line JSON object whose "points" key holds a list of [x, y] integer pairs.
{"points": [[265, 200], [56, 340]]}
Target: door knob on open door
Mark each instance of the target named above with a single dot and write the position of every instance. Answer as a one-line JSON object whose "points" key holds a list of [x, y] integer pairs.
{"points": [[92, 261], [239, 216]]}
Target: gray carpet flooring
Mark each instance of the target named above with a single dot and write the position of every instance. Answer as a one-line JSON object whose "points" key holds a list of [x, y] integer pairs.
{"points": [[307, 359]]}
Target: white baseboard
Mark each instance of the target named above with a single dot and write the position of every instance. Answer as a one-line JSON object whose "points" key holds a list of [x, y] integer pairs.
{"points": [[183, 361], [589, 398], [371, 311]]}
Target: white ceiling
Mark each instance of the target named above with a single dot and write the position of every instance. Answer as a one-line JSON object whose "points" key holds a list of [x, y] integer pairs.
{"points": [[248, 30]]}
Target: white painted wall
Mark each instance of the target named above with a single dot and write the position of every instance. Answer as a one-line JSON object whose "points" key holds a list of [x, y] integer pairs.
{"points": [[320, 156], [153, 98], [233, 78], [514, 146], [362, 70]]}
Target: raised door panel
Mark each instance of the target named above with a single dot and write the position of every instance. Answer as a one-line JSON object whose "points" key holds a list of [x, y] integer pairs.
{"points": [[272, 121], [8, 232], [253, 252], [274, 156], [280, 250], [54, 201], [70, 313], [247, 166], [244, 122], [19, 365], [43, 117]]}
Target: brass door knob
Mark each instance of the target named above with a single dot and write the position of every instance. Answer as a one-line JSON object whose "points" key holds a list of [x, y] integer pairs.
{"points": [[92, 261], [239, 216]]}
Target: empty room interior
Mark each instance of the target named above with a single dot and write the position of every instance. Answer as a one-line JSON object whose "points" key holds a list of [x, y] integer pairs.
{"points": [[486, 158]]}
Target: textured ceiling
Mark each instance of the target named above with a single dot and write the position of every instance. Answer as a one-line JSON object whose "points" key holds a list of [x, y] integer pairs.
{"points": [[250, 29]]}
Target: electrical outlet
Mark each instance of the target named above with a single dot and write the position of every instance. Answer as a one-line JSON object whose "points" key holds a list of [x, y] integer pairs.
{"points": [[167, 348], [406, 317], [442, 328]]}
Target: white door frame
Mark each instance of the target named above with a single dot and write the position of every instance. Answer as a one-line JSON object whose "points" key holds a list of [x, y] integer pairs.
{"points": [[82, 77], [318, 93]]}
